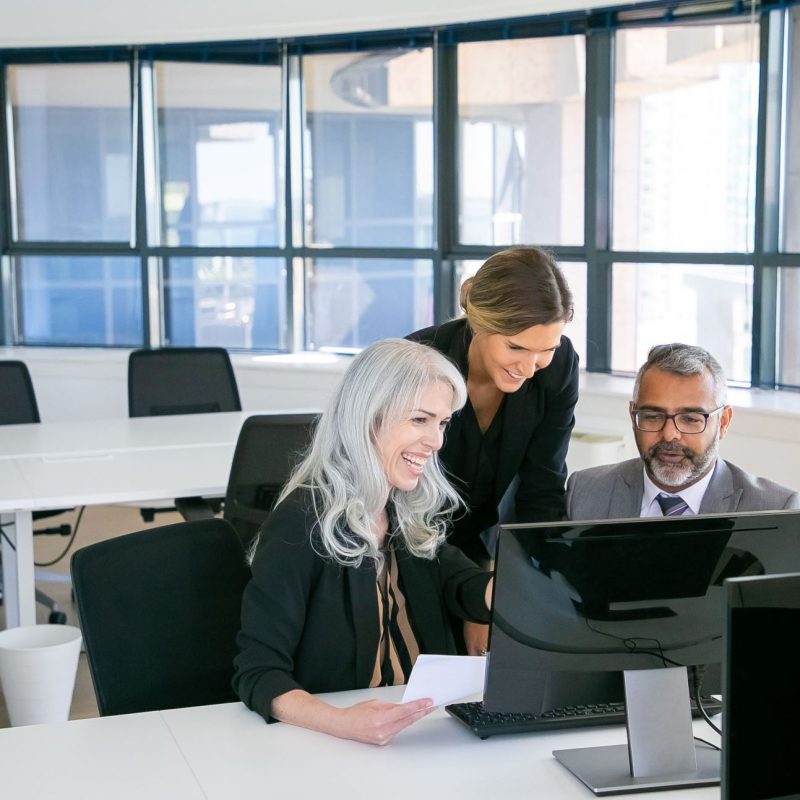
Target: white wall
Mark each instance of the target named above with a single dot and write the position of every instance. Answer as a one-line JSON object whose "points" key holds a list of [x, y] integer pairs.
{"points": [[86, 383], [33, 23], [78, 383]]}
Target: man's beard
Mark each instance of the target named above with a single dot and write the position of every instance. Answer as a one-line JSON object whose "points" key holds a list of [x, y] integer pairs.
{"points": [[683, 473]]}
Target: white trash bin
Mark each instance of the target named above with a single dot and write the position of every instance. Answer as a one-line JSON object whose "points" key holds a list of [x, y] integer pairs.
{"points": [[38, 664]]}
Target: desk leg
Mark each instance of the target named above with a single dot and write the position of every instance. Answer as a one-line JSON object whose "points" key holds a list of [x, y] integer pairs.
{"points": [[19, 591]]}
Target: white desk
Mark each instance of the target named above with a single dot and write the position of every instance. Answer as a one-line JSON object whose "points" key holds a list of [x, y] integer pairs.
{"points": [[233, 754], [81, 437], [133, 757], [61, 465]]}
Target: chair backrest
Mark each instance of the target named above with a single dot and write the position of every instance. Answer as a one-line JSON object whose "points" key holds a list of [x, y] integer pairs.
{"points": [[17, 398], [268, 447], [181, 380], [160, 611]]}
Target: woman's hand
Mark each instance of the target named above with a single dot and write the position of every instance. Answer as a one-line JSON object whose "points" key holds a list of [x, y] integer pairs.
{"points": [[372, 722], [476, 638], [376, 722]]}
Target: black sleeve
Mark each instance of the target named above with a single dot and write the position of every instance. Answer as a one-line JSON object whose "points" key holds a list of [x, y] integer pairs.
{"points": [[274, 607], [463, 585], [540, 494]]}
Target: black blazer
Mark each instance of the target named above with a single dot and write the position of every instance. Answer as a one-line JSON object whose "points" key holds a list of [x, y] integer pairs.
{"points": [[310, 623], [539, 418]]}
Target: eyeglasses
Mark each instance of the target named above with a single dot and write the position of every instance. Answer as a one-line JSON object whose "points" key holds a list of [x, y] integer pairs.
{"points": [[685, 422]]}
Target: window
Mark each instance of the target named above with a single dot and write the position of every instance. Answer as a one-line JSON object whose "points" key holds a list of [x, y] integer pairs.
{"points": [[80, 300], [71, 143], [790, 229], [369, 149], [685, 108], [219, 154], [224, 301], [521, 114], [352, 302], [706, 305]]}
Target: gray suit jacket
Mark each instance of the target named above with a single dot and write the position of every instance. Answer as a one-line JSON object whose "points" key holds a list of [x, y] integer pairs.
{"points": [[614, 491]]}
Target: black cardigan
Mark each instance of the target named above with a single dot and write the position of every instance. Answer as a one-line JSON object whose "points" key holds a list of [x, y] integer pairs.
{"points": [[538, 420], [310, 623]]}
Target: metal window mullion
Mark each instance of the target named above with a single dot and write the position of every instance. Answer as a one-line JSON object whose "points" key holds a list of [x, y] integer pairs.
{"points": [[138, 206], [154, 286], [150, 156], [70, 248], [294, 203], [5, 199], [680, 257], [11, 308], [9, 160], [597, 223], [445, 185], [767, 200], [7, 334]]}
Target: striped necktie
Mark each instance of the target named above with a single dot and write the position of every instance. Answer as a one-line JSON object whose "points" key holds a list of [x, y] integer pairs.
{"points": [[672, 506]]}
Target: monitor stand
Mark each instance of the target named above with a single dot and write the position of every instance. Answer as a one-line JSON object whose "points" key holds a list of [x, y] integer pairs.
{"points": [[661, 753]]}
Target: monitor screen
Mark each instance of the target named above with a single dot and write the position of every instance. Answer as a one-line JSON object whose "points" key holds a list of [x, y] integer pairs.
{"points": [[581, 607], [762, 689]]}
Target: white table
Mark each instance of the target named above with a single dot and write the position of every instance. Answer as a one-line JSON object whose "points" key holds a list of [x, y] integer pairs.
{"points": [[232, 753], [62, 465], [130, 757], [81, 437]]}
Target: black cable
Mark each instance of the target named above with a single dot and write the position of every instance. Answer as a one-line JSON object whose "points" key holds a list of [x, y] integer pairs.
{"points": [[5, 536], [69, 543], [697, 682], [707, 743]]}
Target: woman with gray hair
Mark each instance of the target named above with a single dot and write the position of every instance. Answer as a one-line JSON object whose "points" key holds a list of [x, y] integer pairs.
{"points": [[352, 578]]}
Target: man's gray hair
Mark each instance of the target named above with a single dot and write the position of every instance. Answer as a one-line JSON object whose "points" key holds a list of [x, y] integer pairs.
{"points": [[686, 360]]}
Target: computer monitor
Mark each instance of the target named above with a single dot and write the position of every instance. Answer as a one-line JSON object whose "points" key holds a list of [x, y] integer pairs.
{"points": [[761, 682], [578, 603]]}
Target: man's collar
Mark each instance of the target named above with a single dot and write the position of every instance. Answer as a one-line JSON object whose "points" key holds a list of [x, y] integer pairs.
{"points": [[692, 495]]}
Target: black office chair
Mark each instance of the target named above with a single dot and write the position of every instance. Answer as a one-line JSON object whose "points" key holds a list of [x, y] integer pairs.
{"points": [[17, 398], [18, 406], [160, 611], [182, 380], [268, 448]]}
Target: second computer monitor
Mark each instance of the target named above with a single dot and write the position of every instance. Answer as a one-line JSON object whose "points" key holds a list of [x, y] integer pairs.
{"points": [[762, 689]]}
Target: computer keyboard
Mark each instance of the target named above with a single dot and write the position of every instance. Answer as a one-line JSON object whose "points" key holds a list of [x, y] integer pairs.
{"points": [[491, 723]]}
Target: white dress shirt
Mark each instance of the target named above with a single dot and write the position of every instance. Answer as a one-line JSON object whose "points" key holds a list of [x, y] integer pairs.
{"points": [[691, 495]]}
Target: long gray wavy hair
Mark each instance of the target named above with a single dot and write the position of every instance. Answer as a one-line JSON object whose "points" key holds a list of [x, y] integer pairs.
{"points": [[342, 468]]}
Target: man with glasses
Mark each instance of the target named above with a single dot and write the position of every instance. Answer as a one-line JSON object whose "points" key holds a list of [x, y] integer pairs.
{"points": [[679, 413]]}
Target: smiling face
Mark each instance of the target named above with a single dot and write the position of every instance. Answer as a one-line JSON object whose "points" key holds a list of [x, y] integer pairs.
{"points": [[508, 361], [675, 460], [404, 447]]}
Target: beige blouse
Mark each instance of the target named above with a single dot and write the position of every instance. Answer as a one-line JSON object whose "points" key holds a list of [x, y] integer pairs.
{"points": [[397, 646]]}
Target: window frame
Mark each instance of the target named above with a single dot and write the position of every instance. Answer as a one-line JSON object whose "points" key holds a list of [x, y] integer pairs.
{"points": [[596, 251]]}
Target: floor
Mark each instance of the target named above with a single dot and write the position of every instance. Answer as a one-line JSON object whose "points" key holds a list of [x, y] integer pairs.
{"points": [[98, 523]]}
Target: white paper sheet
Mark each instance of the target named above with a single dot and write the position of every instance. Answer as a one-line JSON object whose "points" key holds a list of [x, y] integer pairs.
{"points": [[445, 679]]}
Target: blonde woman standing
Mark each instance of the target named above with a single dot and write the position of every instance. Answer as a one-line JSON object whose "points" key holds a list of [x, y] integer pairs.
{"points": [[522, 385]]}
